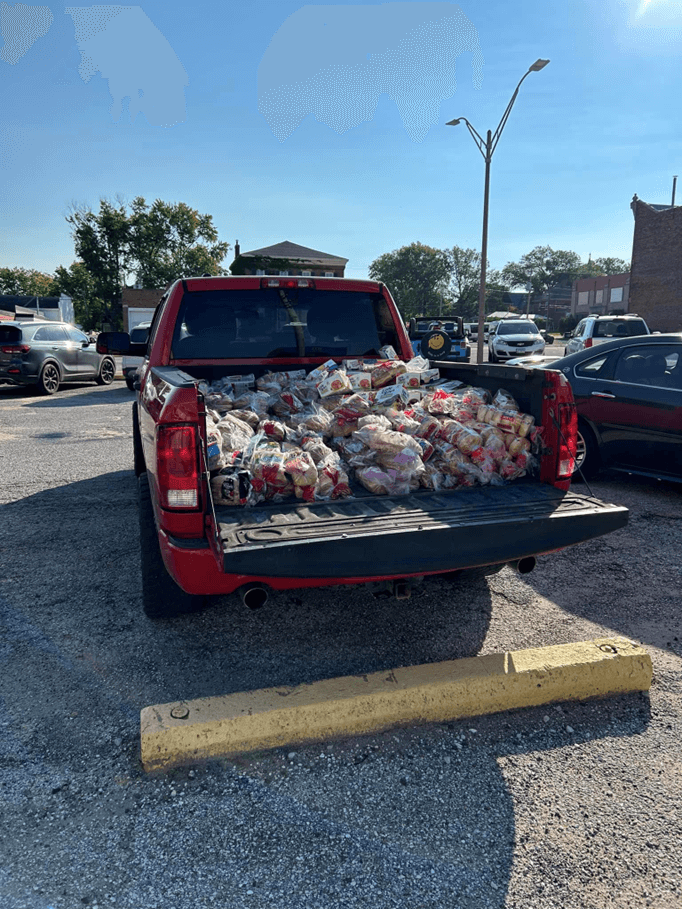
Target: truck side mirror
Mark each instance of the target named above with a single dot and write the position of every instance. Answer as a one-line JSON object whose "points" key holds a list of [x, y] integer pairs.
{"points": [[113, 342]]}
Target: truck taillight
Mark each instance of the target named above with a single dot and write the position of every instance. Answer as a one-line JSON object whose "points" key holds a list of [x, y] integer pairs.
{"points": [[588, 342], [568, 424], [287, 282], [178, 467]]}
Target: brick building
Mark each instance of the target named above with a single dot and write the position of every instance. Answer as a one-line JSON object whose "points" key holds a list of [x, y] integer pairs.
{"points": [[603, 295], [656, 273], [138, 305], [287, 258]]}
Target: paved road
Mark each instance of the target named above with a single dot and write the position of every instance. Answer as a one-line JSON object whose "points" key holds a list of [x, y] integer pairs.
{"points": [[570, 806]]}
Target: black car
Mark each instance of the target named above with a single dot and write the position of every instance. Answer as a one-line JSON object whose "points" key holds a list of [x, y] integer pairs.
{"points": [[628, 394], [49, 354]]}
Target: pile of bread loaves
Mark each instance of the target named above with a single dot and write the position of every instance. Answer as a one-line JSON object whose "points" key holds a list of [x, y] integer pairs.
{"points": [[390, 426]]}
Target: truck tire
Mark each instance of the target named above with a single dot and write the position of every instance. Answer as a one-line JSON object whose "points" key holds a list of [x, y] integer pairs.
{"points": [[161, 596], [138, 454], [130, 381]]}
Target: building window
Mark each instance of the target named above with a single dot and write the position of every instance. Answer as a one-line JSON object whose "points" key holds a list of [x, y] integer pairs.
{"points": [[583, 298], [284, 274], [616, 294], [306, 274], [260, 271], [599, 296], [329, 274]]}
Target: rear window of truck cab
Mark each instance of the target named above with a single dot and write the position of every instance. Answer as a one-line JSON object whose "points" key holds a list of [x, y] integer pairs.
{"points": [[281, 322]]}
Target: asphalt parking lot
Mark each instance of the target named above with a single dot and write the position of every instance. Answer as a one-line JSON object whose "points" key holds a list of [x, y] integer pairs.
{"points": [[573, 805]]}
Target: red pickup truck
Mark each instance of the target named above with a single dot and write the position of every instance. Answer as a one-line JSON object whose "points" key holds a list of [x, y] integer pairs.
{"points": [[205, 329]]}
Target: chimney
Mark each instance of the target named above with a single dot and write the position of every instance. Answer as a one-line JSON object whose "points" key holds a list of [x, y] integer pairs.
{"points": [[236, 249]]}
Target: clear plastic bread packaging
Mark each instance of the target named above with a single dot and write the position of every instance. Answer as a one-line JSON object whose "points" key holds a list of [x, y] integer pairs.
{"points": [[475, 396], [519, 446], [317, 449], [526, 424], [233, 487], [386, 372], [273, 430], [332, 479], [351, 408], [214, 446], [300, 466], [504, 401]]}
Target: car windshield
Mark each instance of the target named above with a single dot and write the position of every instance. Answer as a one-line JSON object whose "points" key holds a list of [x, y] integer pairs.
{"points": [[624, 328], [517, 328], [281, 322], [139, 334]]}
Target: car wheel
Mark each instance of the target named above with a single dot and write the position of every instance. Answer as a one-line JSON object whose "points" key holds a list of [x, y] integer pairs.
{"points": [[161, 596], [587, 460], [130, 381], [48, 383], [491, 356], [107, 371]]}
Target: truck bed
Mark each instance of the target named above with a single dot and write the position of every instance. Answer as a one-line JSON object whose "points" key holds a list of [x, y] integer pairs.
{"points": [[413, 534]]}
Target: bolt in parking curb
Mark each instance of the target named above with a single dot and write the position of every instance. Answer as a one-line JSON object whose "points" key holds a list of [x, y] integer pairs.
{"points": [[356, 705]]}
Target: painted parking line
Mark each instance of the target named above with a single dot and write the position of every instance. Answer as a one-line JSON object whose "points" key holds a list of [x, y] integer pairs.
{"points": [[187, 731]]}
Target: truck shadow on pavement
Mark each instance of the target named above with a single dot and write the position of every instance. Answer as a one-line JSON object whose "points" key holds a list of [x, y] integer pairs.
{"points": [[411, 817]]}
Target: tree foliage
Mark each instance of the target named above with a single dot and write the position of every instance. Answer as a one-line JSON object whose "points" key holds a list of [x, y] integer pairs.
{"points": [[156, 243], [26, 282], [465, 282], [609, 265], [172, 240], [543, 267], [77, 283], [416, 275]]}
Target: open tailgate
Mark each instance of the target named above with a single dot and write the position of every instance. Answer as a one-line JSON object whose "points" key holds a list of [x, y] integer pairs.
{"points": [[379, 536]]}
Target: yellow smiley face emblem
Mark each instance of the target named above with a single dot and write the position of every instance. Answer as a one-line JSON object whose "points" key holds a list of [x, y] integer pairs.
{"points": [[436, 342]]}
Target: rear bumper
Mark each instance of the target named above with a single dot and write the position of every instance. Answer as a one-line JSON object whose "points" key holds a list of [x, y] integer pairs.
{"points": [[378, 538]]}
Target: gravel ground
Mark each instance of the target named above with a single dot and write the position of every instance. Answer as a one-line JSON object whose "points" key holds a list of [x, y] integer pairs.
{"points": [[573, 805]]}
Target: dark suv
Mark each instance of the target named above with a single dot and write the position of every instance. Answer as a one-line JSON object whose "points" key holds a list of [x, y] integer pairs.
{"points": [[48, 354]]}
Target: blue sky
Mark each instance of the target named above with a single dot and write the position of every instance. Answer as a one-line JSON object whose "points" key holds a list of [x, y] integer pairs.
{"points": [[597, 125]]}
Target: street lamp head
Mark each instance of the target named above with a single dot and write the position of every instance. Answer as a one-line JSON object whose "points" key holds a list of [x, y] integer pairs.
{"points": [[538, 65], [453, 122]]}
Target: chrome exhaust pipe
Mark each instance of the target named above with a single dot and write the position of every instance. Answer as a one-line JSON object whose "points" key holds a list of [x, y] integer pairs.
{"points": [[254, 596], [525, 565]]}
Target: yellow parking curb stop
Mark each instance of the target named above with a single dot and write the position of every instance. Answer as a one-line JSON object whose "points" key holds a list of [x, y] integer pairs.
{"points": [[183, 732]]}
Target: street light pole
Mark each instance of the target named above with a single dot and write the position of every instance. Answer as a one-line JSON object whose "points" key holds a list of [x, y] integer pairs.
{"points": [[486, 147]]}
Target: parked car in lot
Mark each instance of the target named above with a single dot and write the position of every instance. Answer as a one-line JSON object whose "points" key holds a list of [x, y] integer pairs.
{"points": [[50, 354], [471, 329], [628, 393], [441, 338], [597, 329], [129, 366], [543, 361], [510, 338]]}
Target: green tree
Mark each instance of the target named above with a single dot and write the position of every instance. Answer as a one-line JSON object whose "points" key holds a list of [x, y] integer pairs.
{"points": [[172, 240], [609, 265], [543, 267], [26, 282], [465, 282], [102, 243], [77, 283], [416, 275]]}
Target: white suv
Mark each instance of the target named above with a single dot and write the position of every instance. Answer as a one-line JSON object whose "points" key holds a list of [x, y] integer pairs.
{"points": [[597, 329], [514, 338]]}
